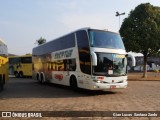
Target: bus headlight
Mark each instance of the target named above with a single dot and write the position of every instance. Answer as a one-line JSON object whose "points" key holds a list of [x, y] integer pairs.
{"points": [[98, 81]]}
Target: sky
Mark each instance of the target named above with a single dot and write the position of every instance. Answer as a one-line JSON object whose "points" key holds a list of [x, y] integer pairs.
{"points": [[22, 22]]}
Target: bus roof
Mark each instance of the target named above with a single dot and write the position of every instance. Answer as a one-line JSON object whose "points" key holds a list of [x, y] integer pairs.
{"points": [[63, 36], [86, 28], [16, 56], [2, 42]]}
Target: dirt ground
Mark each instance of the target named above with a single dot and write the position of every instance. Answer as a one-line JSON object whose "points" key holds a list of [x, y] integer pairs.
{"points": [[138, 76]]}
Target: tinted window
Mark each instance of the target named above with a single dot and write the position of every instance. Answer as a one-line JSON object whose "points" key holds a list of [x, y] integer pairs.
{"points": [[84, 51], [26, 60], [55, 45], [14, 60], [105, 39]]}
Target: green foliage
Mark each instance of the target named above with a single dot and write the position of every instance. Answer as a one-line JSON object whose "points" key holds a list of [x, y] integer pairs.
{"points": [[40, 41], [141, 30]]}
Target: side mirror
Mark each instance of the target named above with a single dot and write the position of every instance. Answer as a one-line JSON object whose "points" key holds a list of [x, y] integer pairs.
{"points": [[133, 59], [94, 58]]}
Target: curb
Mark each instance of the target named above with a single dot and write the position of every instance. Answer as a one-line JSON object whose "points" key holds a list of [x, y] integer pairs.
{"points": [[141, 80]]}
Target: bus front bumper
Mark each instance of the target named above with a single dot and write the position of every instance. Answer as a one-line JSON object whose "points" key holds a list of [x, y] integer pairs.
{"points": [[104, 86]]}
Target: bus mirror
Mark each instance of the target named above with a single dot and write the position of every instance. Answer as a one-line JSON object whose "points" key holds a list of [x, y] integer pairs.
{"points": [[94, 58], [133, 59]]}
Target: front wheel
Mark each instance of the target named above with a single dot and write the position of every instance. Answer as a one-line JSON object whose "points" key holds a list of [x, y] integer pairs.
{"points": [[73, 83]]}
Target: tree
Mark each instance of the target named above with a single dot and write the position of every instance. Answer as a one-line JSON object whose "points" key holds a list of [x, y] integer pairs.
{"points": [[141, 31], [40, 41]]}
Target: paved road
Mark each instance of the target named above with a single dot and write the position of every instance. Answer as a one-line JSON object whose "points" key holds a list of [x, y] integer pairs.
{"points": [[28, 95]]}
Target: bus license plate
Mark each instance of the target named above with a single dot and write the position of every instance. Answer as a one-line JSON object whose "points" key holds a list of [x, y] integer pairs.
{"points": [[113, 86]]}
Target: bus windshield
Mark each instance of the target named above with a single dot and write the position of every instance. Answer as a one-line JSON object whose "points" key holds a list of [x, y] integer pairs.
{"points": [[105, 39], [109, 64]]}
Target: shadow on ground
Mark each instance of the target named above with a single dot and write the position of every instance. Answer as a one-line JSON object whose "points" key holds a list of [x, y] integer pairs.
{"points": [[29, 88]]}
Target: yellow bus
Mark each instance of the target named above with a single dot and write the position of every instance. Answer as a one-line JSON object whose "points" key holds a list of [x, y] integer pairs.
{"points": [[20, 66], [3, 64]]}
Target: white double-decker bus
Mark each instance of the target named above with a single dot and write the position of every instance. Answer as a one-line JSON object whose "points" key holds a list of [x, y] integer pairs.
{"points": [[87, 58]]}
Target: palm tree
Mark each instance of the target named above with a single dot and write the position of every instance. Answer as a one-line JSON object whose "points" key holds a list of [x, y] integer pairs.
{"points": [[40, 41]]}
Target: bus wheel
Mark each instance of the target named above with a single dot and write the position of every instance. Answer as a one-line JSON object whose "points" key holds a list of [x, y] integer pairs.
{"points": [[38, 78], [16, 74], [1, 87], [73, 83], [42, 80], [20, 74], [1, 84], [4, 79]]}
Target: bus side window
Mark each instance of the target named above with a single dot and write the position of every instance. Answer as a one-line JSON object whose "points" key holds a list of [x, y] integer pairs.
{"points": [[70, 64]]}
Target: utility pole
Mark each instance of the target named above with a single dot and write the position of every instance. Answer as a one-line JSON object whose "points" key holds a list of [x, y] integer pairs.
{"points": [[119, 14]]}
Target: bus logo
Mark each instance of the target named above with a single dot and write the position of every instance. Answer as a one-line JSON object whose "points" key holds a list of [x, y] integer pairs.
{"points": [[58, 76], [63, 54]]}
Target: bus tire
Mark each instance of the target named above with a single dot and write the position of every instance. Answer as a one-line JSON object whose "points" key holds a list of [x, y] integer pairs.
{"points": [[38, 78], [73, 83], [16, 74], [20, 74], [42, 80], [1, 83], [4, 79], [1, 87]]}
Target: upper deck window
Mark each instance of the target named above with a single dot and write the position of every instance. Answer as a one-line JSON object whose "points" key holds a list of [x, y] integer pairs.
{"points": [[3, 50], [105, 39]]}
